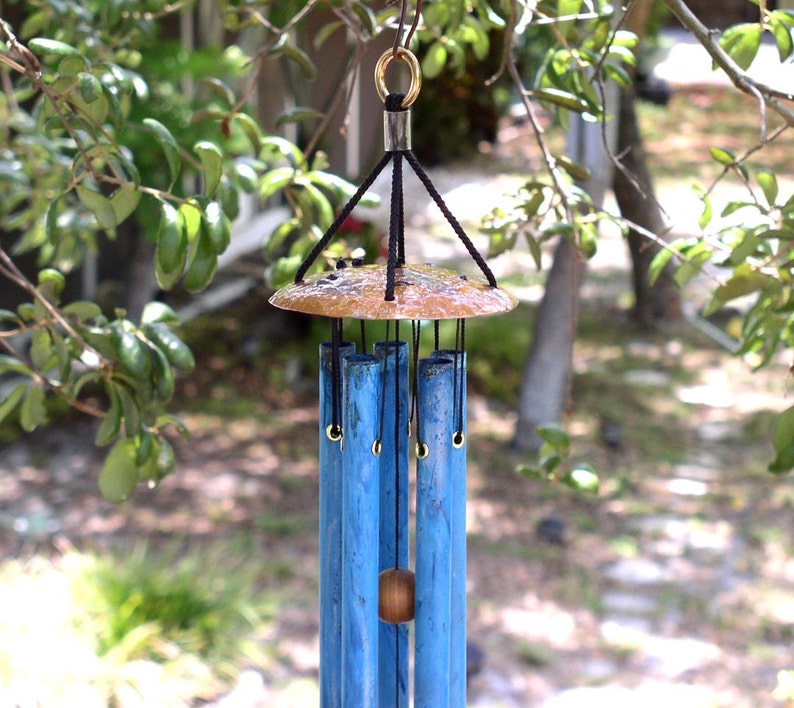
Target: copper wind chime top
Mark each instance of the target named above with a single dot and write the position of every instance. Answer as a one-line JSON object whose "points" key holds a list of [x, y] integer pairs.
{"points": [[394, 290]]}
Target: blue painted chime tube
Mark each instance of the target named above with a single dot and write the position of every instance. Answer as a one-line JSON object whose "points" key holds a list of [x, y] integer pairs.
{"points": [[360, 535], [457, 670], [330, 533], [433, 516], [393, 650]]}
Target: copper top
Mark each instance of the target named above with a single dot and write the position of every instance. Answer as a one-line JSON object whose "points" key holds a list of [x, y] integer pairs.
{"points": [[422, 292]]}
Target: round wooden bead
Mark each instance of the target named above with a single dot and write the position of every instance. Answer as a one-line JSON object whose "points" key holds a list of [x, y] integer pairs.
{"points": [[396, 595]]}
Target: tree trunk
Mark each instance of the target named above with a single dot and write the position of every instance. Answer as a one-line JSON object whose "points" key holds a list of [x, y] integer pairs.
{"points": [[545, 382], [547, 371], [660, 302]]}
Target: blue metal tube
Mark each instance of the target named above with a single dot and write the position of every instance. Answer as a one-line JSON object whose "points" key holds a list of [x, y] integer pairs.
{"points": [[360, 511], [433, 514], [330, 537], [457, 671], [393, 650]]}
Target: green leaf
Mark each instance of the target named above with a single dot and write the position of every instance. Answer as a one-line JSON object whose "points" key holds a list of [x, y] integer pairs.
{"points": [[531, 472], [743, 282], [782, 34], [434, 60], [99, 205], [111, 424], [658, 264], [176, 351], [217, 226], [298, 56], [159, 312], [221, 90], [82, 310], [212, 164], [723, 155], [171, 249], [166, 458], [124, 201], [783, 436], [783, 462], [130, 411], [274, 181], [168, 145], [11, 400], [90, 87], [164, 375], [582, 479], [119, 475], [41, 353], [33, 412], [555, 436], [500, 241], [51, 283], [298, 114], [144, 446], [768, 183], [11, 365], [202, 264], [741, 42], [190, 215], [251, 129], [325, 33], [705, 216], [52, 47], [131, 352]]}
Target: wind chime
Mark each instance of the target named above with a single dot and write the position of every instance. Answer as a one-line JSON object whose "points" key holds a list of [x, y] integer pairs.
{"points": [[368, 405]]}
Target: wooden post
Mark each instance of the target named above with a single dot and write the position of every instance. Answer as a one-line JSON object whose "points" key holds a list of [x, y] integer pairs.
{"points": [[393, 651], [433, 513], [360, 534], [330, 536]]}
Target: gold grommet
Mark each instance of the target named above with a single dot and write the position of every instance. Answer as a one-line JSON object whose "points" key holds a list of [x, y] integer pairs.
{"points": [[458, 438], [422, 450], [333, 433], [413, 65], [376, 448]]}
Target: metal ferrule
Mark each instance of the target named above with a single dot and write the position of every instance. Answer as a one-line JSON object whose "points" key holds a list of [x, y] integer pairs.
{"points": [[397, 130]]}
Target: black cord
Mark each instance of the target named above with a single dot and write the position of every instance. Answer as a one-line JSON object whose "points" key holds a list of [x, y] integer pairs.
{"points": [[461, 389], [395, 226], [336, 378], [397, 485], [319, 247], [453, 222]]}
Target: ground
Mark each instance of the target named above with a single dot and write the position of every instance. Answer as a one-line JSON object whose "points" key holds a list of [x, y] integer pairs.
{"points": [[674, 583]]}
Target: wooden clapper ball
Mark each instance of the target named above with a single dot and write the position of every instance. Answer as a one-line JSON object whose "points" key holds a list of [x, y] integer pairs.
{"points": [[368, 402]]}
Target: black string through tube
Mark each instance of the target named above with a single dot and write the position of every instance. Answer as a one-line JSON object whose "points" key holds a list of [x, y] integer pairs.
{"points": [[334, 431], [436, 334], [416, 328], [421, 447], [397, 486], [363, 333], [395, 226], [319, 247], [450, 217], [378, 442], [459, 384]]}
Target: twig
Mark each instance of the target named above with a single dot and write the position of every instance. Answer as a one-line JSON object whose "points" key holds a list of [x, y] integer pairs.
{"points": [[731, 69]]}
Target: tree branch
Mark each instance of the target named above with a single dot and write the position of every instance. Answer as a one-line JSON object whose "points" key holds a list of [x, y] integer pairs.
{"points": [[739, 78]]}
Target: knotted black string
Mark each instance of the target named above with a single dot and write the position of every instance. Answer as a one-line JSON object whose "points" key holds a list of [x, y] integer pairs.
{"points": [[396, 257]]}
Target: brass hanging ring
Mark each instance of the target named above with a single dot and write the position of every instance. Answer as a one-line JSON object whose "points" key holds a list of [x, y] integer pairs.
{"points": [[458, 439], [413, 66], [334, 433]]}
